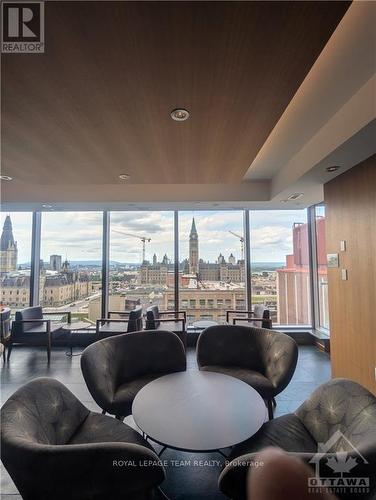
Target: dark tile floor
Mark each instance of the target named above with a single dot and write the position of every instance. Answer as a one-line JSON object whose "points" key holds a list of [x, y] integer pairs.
{"points": [[184, 482]]}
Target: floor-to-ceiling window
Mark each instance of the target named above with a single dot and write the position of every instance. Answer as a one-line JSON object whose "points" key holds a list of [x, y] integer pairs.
{"points": [[16, 229], [211, 267], [71, 263], [280, 264], [322, 270], [141, 260]]}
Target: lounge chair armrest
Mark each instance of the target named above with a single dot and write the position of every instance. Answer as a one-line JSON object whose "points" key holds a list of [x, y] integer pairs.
{"points": [[168, 320], [60, 313], [237, 311], [110, 320], [123, 313], [47, 321], [262, 320], [126, 467], [184, 313]]}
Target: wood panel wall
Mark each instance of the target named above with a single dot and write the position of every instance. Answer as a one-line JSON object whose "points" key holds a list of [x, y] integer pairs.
{"points": [[351, 216]]}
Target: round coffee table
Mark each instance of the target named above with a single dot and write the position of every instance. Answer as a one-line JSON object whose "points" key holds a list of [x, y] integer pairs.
{"points": [[198, 411]]}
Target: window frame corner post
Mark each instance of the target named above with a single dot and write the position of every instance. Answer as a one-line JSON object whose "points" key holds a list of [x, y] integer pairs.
{"points": [[35, 259], [105, 263], [247, 260], [176, 260], [312, 251]]}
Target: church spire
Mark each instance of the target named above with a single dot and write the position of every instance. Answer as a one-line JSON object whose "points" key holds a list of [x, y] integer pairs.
{"points": [[193, 249], [7, 239], [8, 248], [193, 228]]}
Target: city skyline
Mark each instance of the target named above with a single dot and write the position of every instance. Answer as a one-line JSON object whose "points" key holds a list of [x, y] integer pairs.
{"points": [[78, 235]]}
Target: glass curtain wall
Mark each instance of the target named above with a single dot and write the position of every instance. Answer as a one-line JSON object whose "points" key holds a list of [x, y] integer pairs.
{"points": [[322, 270], [141, 260], [211, 267], [15, 262], [280, 265], [71, 263]]}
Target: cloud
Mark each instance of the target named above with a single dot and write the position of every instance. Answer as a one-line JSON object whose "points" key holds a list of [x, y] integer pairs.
{"points": [[80, 234]]}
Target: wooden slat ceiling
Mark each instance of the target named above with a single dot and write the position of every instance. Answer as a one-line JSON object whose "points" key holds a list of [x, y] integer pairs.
{"points": [[97, 103]]}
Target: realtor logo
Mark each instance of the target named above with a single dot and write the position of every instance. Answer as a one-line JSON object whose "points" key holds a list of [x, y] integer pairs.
{"points": [[343, 463], [22, 27]]}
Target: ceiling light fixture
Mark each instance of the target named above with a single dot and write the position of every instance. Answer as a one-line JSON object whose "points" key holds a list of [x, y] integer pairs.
{"points": [[124, 177], [333, 168], [179, 114], [46, 205], [6, 178], [294, 196]]}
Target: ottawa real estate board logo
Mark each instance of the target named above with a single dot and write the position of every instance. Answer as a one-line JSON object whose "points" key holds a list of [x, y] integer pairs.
{"points": [[22, 27], [347, 464]]}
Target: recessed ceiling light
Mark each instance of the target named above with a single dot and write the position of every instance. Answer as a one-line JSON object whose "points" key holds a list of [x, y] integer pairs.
{"points": [[180, 114], [124, 177], [333, 168], [6, 178], [46, 205]]}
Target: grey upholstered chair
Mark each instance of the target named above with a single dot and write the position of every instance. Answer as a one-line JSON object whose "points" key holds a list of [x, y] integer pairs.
{"points": [[116, 368], [339, 415], [5, 325], [167, 320], [30, 327], [264, 359], [55, 448], [129, 321]]}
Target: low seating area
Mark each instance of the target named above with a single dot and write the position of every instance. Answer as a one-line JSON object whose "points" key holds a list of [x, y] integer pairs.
{"points": [[35, 327], [80, 451]]}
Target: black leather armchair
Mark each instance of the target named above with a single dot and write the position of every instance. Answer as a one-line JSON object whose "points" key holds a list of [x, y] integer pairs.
{"points": [[55, 448], [167, 320], [264, 359], [129, 321], [339, 415], [116, 368], [30, 327]]}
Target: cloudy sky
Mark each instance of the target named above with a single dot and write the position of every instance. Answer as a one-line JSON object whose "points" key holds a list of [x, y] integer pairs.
{"points": [[77, 235]]}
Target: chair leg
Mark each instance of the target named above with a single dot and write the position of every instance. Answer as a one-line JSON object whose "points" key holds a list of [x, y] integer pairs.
{"points": [[103, 412], [9, 351], [48, 352], [4, 357], [274, 402], [270, 409], [120, 417]]}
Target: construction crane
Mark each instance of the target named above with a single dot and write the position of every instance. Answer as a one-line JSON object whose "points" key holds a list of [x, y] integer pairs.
{"points": [[141, 238], [241, 238]]}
